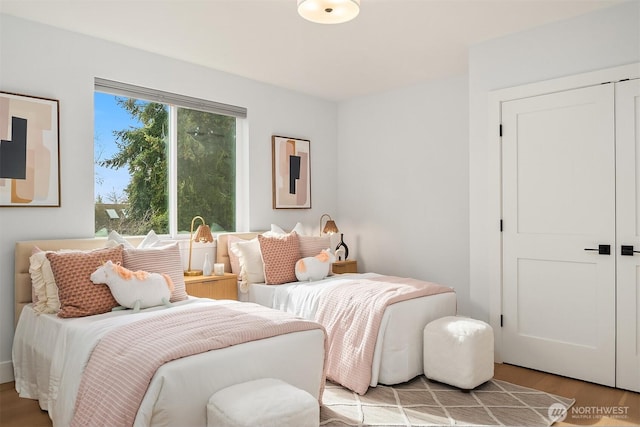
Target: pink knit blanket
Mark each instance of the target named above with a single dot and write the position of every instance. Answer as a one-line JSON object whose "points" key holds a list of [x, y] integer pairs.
{"points": [[351, 314], [122, 364]]}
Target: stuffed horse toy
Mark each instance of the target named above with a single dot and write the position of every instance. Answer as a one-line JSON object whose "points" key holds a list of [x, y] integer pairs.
{"points": [[134, 289], [316, 267]]}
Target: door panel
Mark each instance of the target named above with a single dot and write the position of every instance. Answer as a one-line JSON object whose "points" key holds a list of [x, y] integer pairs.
{"points": [[558, 199], [537, 280], [628, 228]]}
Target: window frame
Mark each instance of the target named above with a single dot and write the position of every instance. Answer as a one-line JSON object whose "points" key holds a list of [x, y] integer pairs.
{"points": [[173, 102]]}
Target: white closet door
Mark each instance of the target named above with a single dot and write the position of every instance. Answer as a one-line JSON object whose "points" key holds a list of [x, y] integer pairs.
{"points": [[628, 230], [558, 200]]}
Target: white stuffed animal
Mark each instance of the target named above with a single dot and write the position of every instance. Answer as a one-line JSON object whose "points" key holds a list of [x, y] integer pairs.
{"points": [[316, 267], [134, 289]]}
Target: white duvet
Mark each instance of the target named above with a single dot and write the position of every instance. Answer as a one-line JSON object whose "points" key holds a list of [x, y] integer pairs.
{"points": [[398, 355], [50, 354]]}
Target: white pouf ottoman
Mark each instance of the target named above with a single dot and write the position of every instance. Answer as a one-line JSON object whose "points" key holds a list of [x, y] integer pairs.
{"points": [[458, 351], [265, 402]]}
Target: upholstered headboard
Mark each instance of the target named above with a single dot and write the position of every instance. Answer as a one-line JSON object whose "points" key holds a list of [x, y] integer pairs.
{"points": [[222, 246], [22, 279]]}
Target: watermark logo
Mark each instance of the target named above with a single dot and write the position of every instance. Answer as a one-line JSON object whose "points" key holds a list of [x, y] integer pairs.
{"points": [[557, 412], [597, 412]]}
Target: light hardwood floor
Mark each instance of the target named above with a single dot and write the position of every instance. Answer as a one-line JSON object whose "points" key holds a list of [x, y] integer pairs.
{"points": [[592, 401]]}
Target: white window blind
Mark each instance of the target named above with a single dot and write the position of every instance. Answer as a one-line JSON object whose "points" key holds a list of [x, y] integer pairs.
{"points": [[153, 95]]}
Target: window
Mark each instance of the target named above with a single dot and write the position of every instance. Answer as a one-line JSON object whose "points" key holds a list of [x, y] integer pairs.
{"points": [[161, 159]]}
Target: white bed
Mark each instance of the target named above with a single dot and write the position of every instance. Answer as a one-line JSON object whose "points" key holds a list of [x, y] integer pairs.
{"points": [[398, 355], [49, 352]]}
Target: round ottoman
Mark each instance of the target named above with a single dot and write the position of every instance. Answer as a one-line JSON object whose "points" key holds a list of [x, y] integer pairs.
{"points": [[265, 402], [458, 351]]}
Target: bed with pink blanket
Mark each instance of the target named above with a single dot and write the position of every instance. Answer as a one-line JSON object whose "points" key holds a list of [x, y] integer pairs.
{"points": [[157, 366], [375, 323]]}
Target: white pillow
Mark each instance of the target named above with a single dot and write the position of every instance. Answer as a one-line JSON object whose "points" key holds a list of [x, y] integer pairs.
{"points": [[250, 257], [234, 259], [278, 230], [43, 283], [115, 239], [149, 241]]}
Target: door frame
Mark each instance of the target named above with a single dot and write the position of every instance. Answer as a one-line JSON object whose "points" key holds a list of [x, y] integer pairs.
{"points": [[494, 169]]}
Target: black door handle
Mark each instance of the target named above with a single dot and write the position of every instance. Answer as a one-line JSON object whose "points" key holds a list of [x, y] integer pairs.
{"points": [[628, 250], [602, 249]]}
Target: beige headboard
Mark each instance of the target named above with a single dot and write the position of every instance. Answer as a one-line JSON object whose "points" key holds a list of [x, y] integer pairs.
{"points": [[22, 280], [222, 247]]}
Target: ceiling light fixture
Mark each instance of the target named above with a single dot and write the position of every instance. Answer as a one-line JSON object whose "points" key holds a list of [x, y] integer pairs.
{"points": [[329, 11]]}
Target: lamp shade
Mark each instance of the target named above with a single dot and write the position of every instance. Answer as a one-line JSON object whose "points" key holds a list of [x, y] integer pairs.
{"points": [[329, 11], [330, 226], [203, 234]]}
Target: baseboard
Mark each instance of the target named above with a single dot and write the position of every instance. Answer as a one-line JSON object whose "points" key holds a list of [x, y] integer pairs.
{"points": [[6, 372]]}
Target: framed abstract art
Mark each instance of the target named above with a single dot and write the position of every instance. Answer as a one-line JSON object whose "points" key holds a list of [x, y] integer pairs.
{"points": [[291, 162], [29, 151]]}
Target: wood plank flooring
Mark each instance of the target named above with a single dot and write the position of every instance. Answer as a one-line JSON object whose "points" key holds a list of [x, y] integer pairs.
{"points": [[18, 412], [593, 401]]}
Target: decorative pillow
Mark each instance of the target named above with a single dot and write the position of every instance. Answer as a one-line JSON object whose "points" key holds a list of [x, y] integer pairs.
{"points": [[278, 230], [313, 245], [160, 259], [150, 240], [250, 260], [315, 268], [43, 284], [279, 255], [115, 239], [234, 256], [72, 271], [134, 289]]}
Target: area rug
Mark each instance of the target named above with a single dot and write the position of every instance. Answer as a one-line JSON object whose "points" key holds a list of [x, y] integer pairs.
{"points": [[422, 402]]}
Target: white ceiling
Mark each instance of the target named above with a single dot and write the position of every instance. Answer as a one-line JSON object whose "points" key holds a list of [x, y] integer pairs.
{"points": [[391, 44]]}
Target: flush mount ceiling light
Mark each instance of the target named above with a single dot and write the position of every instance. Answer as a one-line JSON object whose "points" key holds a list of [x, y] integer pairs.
{"points": [[329, 11]]}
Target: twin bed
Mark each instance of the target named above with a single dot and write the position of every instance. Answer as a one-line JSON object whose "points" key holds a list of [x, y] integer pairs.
{"points": [[398, 353], [50, 353]]}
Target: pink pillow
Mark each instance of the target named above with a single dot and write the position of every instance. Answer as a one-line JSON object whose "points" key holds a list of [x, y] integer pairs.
{"points": [[77, 294], [280, 254], [162, 259], [313, 245]]}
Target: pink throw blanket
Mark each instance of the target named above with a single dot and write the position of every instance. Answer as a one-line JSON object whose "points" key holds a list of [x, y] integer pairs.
{"points": [[121, 366], [352, 312]]}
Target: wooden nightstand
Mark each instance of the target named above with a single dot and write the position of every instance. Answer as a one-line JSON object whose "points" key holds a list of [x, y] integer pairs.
{"points": [[348, 266], [215, 287]]}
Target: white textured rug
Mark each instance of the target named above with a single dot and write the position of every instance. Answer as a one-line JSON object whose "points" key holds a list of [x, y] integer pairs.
{"points": [[421, 402]]}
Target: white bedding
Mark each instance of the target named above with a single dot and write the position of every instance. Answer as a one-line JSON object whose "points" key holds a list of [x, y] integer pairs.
{"points": [[398, 355], [50, 353]]}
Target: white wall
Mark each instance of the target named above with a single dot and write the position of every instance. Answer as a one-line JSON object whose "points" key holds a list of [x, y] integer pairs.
{"points": [[43, 61], [598, 40], [403, 183]]}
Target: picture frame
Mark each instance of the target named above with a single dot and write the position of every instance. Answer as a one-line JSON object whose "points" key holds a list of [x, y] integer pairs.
{"points": [[291, 172], [29, 151]]}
